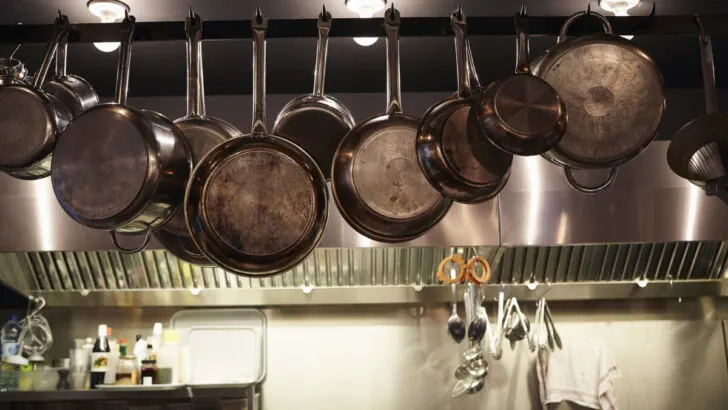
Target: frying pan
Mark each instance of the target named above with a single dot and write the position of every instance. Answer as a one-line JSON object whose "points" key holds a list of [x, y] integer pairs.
{"points": [[522, 115], [118, 168], [31, 120], [457, 168], [375, 177], [73, 91], [699, 150], [257, 205], [614, 96], [202, 133], [316, 122]]}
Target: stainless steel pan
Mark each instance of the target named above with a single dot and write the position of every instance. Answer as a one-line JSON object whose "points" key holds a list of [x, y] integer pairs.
{"points": [[377, 183], [614, 98], [522, 115], [202, 133], [316, 122], [257, 205], [118, 168], [699, 150], [455, 157], [31, 121]]}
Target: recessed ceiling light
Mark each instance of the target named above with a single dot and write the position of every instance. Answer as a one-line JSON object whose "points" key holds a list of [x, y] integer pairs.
{"points": [[619, 8], [365, 9], [108, 11]]}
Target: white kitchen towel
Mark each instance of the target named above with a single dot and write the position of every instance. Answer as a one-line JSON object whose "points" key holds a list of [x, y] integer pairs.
{"points": [[583, 373]]}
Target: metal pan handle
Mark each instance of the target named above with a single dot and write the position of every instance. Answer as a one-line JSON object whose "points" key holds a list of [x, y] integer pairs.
{"points": [[394, 93], [50, 51], [122, 70], [61, 68], [707, 64], [459, 27], [259, 24], [195, 82], [568, 173], [606, 25], [522, 45], [472, 74], [319, 74], [142, 245]]}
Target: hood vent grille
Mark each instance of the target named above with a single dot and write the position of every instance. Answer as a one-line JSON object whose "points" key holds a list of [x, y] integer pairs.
{"points": [[150, 270]]}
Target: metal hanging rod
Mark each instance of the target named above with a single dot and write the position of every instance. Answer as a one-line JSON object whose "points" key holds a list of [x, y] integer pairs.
{"points": [[355, 27]]}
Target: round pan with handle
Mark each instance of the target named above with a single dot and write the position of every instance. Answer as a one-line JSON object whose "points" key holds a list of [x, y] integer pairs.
{"points": [[73, 91], [378, 185], [522, 115], [257, 205], [121, 169], [202, 132], [699, 150], [31, 119], [316, 122], [614, 96], [455, 157]]}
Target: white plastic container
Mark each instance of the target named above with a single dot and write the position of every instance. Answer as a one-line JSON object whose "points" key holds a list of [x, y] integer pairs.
{"points": [[169, 358]]}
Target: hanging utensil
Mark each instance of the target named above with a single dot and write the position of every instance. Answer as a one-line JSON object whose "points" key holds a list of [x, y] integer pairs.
{"points": [[12, 70], [549, 320], [202, 133], [316, 122], [522, 115], [455, 267], [73, 91], [257, 205], [444, 145], [614, 98], [31, 120], [699, 150], [118, 168], [377, 183]]}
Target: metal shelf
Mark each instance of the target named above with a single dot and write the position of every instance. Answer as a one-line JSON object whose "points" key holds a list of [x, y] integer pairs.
{"points": [[354, 27]]}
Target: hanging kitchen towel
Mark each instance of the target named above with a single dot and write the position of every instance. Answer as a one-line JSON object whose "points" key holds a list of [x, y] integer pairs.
{"points": [[583, 373]]}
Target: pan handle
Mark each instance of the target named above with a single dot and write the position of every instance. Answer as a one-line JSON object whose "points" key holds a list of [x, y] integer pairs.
{"points": [[195, 82], [522, 45], [51, 49], [394, 93], [458, 22], [259, 24], [606, 25], [142, 245], [319, 73], [568, 173]]}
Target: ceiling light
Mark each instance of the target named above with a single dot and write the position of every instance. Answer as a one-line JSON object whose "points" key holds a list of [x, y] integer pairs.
{"points": [[619, 8], [108, 11], [365, 9]]}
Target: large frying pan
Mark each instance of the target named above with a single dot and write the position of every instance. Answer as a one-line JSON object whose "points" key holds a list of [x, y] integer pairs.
{"points": [[316, 122], [202, 133], [699, 150], [257, 205], [457, 159], [376, 179], [614, 98]]}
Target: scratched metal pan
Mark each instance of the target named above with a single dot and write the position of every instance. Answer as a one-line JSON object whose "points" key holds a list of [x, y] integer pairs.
{"points": [[378, 185], [202, 133], [457, 159], [316, 122], [257, 205]]}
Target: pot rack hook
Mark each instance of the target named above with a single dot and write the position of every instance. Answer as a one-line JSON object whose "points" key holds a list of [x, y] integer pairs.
{"points": [[392, 13], [324, 14], [40, 303], [588, 10], [459, 14], [258, 14], [699, 23], [548, 288], [523, 11]]}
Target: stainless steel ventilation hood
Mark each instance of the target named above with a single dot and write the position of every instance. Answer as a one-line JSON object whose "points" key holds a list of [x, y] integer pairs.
{"points": [[649, 225]]}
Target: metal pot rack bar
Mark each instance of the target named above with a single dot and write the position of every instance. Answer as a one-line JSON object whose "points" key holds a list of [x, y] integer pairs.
{"points": [[355, 27]]}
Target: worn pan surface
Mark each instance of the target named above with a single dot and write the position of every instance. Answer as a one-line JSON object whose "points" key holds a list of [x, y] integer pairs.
{"points": [[523, 114], [118, 168], [257, 205], [31, 120], [202, 133], [448, 138], [614, 96], [699, 150], [316, 122], [377, 183]]}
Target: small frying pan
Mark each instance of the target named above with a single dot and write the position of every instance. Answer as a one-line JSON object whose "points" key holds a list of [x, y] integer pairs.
{"points": [[257, 205], [202, 133], [522, 115], [460, 170], [316, 121], [376, 180], [699, 150]]}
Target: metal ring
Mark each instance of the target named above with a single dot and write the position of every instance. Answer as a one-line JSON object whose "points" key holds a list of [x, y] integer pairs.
{"points": [[590, 189], [147, 236], [459, 261], [606, 25], [470, 272]]}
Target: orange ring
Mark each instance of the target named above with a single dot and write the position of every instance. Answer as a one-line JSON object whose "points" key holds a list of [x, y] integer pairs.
{"points": [[470, 272], [458, 260]]}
